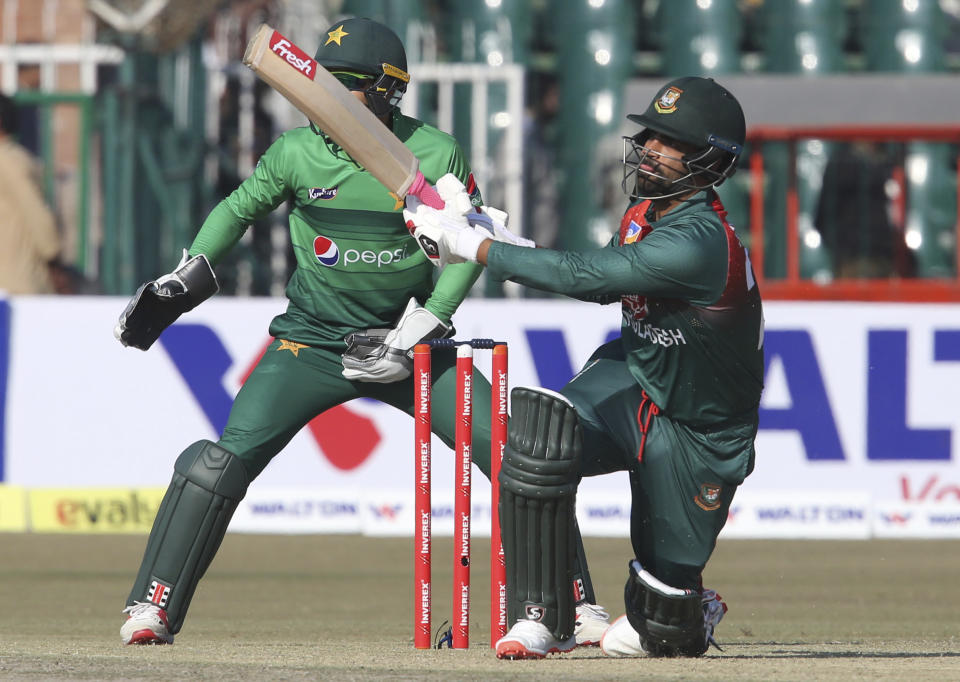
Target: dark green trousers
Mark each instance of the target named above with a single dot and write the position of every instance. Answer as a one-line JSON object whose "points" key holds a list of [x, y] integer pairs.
{"points": [[681, 488], [287, 389]]}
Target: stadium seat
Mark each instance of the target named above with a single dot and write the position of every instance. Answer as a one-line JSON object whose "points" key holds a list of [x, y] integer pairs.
{"points": [[594, 62], [909, 38], [806, 39], [802, 37], [699, 38], [903, 36]]}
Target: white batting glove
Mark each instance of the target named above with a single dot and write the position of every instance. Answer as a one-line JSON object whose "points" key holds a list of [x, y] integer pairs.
{"points": [[491, 220], [454, 194], [443, 237], [492, 224]]}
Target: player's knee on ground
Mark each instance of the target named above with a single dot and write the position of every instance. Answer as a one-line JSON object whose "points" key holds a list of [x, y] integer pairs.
{"points": [[538, 485], [669, 620], [208, 484]]}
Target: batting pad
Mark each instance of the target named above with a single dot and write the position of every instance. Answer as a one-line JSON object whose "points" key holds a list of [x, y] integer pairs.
{"points": [[208, 484], [537, 509]]}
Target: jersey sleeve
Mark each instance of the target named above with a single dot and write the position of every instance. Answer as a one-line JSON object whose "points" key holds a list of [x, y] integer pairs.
{"points": [[684, 264], [455, 281], [459, 166], [256, 196]]}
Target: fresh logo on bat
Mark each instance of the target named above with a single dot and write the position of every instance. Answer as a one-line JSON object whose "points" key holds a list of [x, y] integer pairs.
{"points": [[292, 54]]}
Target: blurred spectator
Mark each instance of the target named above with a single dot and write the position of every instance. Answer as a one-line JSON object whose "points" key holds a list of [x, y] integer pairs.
{"points": [[854, 215], [29, 239], [540, 218]]}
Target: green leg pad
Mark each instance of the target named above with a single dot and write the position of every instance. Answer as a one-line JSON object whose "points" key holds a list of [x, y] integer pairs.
{"points": [[538, 487], [208, 484]]}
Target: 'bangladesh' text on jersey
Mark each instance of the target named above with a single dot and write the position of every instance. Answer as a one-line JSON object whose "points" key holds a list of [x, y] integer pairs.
{"points": [[676, 344], [692, 327]]}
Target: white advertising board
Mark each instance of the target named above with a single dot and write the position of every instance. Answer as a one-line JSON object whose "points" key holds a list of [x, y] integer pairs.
{"points": [[859, 407]]}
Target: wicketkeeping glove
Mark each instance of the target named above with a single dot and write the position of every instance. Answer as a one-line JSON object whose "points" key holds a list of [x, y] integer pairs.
{"points": [[158, 304], [386, 355]]}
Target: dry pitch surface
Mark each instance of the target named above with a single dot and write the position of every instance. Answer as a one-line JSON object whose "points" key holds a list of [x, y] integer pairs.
{"points": [[329, 607]]}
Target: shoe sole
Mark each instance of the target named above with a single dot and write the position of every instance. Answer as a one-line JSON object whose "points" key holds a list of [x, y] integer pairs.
{"points": [[515, 651], [146, 636]]}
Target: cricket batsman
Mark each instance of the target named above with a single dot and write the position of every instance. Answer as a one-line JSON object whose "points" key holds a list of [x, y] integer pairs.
{"points": [[348, 330], [674, 401]]}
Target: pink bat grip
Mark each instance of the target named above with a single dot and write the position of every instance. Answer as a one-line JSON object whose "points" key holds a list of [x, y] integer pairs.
{"points": [[425, 192]]}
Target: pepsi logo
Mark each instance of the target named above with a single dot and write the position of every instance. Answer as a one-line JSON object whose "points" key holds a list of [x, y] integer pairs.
{"points": [[326, 251]]}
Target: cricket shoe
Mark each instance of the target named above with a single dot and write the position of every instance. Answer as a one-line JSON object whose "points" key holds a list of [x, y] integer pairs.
{"points": [[530, 639], [146, 624], [621, 640], [591, 623]]}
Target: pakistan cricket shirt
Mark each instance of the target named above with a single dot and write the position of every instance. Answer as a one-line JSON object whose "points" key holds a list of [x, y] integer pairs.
{"points": [[357, 265]]}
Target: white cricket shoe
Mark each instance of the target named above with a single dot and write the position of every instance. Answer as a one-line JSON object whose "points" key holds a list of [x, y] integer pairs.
{"points": [[620, 639], [530, 639], [592, 621], [145, 624]]}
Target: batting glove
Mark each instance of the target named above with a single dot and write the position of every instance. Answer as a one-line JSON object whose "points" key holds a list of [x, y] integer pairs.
{"points": [[492, 224], [443, 237]]}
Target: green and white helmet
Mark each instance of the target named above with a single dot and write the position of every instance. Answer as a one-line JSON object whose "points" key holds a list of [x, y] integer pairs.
{"points": [[365, 55], [698, 112]]}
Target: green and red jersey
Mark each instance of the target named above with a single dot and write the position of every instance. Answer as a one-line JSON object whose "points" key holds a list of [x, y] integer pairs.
{"points": [[357, 265], [692, 320]]}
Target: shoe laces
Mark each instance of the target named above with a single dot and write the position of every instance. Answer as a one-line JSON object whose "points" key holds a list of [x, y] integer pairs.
{"points": [[713, 610], [594, 611], [140, 607]]}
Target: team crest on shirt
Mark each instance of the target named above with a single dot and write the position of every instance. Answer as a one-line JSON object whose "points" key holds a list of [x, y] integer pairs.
{"points": [[667, 104], [708, 498], [322, 192], [326, 251], [633, 233]]}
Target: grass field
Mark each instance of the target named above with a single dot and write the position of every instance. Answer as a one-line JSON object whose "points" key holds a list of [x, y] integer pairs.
{"points": [[332, 607]]}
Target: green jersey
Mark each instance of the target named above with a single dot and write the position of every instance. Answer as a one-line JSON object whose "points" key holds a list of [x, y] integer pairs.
{"points": [[357, 265], [692, 327]]}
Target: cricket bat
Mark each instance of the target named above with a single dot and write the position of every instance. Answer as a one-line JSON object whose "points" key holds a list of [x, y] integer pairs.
{"points": [[332, 108]]}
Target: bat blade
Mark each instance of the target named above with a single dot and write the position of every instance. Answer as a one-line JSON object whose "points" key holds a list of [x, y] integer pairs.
{"points": [[331, 107]]}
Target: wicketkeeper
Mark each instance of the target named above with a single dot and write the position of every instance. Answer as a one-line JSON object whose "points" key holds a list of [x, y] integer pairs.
{"points": [[673, 401], [348, 331]]}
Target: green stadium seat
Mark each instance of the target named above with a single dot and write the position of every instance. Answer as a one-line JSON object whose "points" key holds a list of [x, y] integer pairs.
{"points": [[803, 37], [909, 38], [699, 39], [903, 37]]}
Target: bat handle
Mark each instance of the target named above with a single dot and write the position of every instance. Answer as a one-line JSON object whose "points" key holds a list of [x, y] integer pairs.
{"points": [[425, 192]]}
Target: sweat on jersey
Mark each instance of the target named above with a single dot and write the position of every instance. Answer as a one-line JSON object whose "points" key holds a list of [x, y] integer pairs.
{"points": [[692, 327], [357, 264]]}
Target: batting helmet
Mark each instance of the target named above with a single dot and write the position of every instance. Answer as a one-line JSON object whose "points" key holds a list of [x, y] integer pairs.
{"points": [[696, 111], [366, 55]]}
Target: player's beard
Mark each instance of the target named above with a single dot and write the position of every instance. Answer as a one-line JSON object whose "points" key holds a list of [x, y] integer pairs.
{"points": [[650, 185]]}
